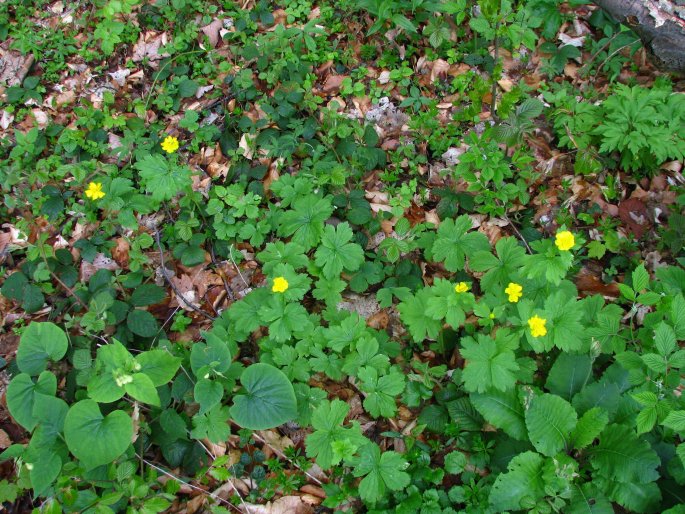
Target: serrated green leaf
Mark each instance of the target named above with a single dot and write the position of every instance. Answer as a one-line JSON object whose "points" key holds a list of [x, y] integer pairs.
{"points": [[550, 420], [589, 426], [623, 457], [503, 410], [522, 481]]}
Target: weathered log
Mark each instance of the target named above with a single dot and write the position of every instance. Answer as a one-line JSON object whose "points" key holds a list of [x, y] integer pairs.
{"points": [[659, 23]]}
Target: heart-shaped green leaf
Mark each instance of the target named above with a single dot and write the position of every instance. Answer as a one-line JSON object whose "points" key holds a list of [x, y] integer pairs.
{"points": [[40, 342], [269, 400], [21, 394], [93, 438]]}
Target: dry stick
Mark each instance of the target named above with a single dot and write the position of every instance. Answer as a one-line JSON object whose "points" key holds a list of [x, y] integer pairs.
{"points": [[64, 286], [230, 294], [204, 491], [516, 230], [283, 456], [173, 286]]}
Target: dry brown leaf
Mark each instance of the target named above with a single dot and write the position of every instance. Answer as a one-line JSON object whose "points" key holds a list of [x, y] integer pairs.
{"points": [[148, 46], [212, 32], [5, 440], [185, 287], [332, 84], [284, 505], [89, 269]]}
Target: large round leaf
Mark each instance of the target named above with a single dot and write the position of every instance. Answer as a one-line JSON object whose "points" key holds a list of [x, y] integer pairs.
{"points": [[93, 438], [40, 342], [269, 400], [21, 396]]}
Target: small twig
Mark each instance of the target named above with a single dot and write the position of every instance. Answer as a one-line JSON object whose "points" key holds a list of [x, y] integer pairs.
{"points": [[230, 254], [614, 53], [204, 491], [229, 292], [64, 286], [283, 456], [516, 230], [173, 286]]}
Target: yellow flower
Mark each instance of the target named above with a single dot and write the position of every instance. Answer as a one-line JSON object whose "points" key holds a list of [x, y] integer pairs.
{"points": [[565, 240], [461, 287], [94, 191], [537, 326], [280, 285], [515, 292], [170, 144]]}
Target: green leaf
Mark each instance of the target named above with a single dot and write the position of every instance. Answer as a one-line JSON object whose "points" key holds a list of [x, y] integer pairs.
{"points": [[564, 316], [208, 393], [675, 420], [142, 389], [490, 363], [523, 481], [94, 439], [569, 374], [664, 339], [413, 314], [623, 457], [383, 472], [269, 399], [187, 88], [305, 223], [640, 278], [142, 323], [502, 409], [38, 343], [595, 249], [159, 365], [212, 425], [161, 178], [636, 497], [589, 499], [147, 294], [327, 420], [336, 253], [21, 396], [382, 391], [501, 269], [454, 243], [550, 420], [455, 462], [589, 426]]}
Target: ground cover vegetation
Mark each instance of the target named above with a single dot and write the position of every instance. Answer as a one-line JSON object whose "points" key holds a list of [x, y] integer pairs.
{"points": [[359, 256]]}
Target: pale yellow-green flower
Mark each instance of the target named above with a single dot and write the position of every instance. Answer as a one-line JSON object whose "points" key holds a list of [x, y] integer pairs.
{"points": [[461, 287], [280, 285], [537, 326], [565, 240], [94, 191], [515, 292], [170, 144]]}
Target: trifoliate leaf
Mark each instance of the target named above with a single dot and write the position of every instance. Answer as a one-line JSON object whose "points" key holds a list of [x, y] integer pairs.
{"points": [[382, 472]]}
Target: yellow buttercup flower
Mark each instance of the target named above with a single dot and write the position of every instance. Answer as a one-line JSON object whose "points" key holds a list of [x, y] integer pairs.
{"points": [[170, 144], [461, 287], [515, 292], [565, 240], [94, 191], [280, 285], [537, 326]]}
